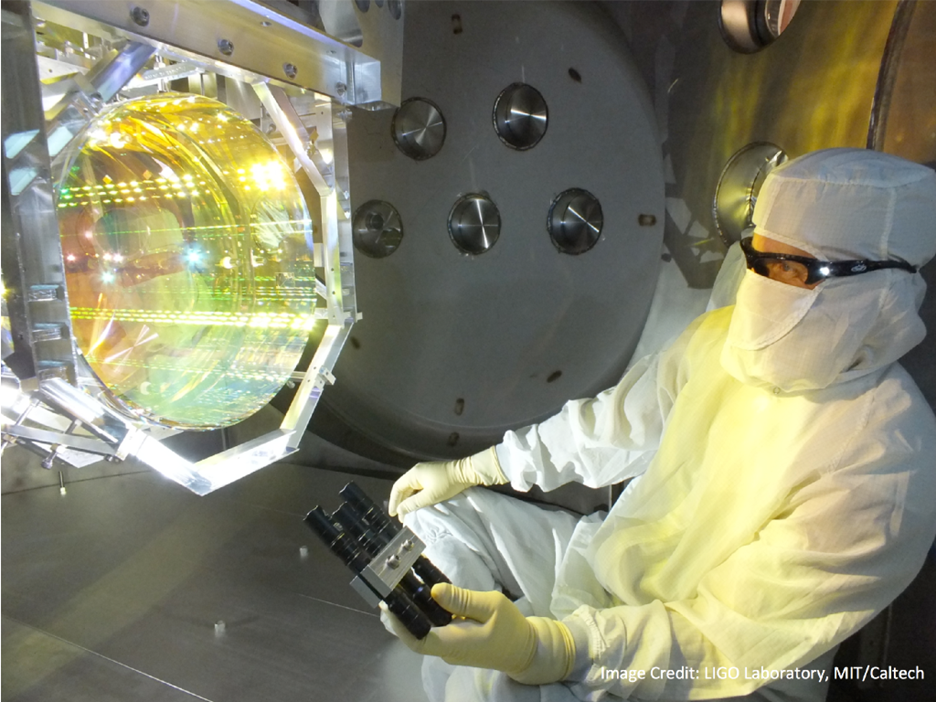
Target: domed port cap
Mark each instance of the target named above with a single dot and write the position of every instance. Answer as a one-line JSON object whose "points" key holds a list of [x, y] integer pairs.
{"points": [[738, 186], [520, 116], [474, 223], [377, 229], [418, 129], [575, 221]]}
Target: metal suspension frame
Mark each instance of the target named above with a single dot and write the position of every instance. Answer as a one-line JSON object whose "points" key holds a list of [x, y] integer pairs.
{"points": [[258, 44]]}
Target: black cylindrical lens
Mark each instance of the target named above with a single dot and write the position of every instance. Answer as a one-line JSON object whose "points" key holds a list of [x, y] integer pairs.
{"points": [[343, 546], [385, 528], [413, 586], [426, 570], [420, 593], [339, 543], [413, 618], [368, 509], [352, 523]]}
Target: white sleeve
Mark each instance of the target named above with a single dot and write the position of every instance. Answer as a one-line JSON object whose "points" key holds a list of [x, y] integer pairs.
{"points": [[603, 440], [842, 548]]}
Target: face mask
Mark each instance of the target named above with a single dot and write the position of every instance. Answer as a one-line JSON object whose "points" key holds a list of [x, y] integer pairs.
{"points": [[766, 311], [794, 339]]}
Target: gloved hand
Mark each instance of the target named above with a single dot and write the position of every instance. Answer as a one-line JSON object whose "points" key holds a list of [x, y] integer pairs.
{"points": [[428, 483], [494, 634]]}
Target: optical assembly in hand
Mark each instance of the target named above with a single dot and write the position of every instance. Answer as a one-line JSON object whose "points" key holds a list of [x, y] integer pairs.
{"points": [[385, 557]]}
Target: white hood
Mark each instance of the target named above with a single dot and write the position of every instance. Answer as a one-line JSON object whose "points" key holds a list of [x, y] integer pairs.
{"points": [[838, 204]]}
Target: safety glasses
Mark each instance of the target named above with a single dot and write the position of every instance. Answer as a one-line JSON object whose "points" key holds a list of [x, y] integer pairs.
{"points": [[788, 268]]}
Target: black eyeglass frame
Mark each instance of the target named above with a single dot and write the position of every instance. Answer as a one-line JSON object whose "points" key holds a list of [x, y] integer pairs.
{"points": [[816, 269]]}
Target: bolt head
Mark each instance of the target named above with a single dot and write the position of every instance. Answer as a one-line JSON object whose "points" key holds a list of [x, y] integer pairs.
{"points": [[140, 16]]}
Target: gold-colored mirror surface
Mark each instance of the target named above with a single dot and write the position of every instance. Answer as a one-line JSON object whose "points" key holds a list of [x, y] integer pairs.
{"points": [[187, 252]]}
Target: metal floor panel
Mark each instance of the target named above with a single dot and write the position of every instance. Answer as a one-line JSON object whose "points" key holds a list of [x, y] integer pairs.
{"points": [[116, 587], [71, 674]]}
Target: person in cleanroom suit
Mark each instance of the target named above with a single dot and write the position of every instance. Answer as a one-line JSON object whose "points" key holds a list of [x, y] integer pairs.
{"points": [[785, 489]]}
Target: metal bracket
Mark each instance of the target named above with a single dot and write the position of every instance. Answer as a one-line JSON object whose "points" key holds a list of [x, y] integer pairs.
{"points": [[388, 567], [33, 270], [240, 37], [395, 559]]}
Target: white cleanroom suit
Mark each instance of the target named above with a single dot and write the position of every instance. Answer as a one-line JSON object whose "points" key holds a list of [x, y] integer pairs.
{"points": [[786, 481]]}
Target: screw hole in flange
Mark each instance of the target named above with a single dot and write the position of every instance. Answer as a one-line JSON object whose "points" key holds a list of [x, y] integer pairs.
{"points": [[646, 220]]}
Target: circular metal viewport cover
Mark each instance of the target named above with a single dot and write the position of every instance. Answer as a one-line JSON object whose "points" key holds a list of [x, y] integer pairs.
{"points": [[738, 187], [474, 223], [575, 221], [418, 128], [377, 229], [520, 116]]}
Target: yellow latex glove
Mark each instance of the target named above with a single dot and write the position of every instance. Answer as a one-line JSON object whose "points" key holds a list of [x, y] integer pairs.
{"points": [[494, 634], [428, 483]]}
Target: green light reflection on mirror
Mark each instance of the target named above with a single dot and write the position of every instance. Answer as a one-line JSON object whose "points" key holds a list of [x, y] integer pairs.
{"points": [[188, 259]]}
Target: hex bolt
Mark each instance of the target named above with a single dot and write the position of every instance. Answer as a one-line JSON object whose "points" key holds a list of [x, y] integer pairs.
{"points": [[140, 16], [393, 562], [341, 89], [226, 46], [290, 70]]}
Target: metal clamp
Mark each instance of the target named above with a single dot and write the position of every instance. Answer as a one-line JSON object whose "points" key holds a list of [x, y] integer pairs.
{"points": [[389, 566]]}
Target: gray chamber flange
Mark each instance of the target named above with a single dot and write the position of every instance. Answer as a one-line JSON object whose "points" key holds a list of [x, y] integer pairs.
{"points": [[377, 229], [474, 223], [575, 221], [418, 128], [520, 116]]}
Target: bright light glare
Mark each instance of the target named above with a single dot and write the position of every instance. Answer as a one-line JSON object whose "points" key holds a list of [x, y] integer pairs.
{"points": [[268, 175]]}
